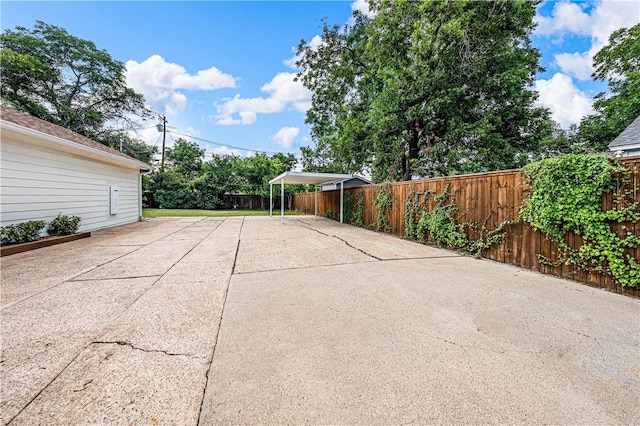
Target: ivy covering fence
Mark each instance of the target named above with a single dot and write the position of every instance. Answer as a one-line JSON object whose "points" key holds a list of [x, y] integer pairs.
{"points": [[572, 216]]}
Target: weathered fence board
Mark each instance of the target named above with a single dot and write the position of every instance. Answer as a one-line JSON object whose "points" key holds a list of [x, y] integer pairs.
{"points": [[485, 199]]}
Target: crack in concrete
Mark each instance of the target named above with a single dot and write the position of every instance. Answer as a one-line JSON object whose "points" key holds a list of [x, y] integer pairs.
{"points": [[597, 339], [466, 347], [83, 386], [131, 345], [308, 226]]}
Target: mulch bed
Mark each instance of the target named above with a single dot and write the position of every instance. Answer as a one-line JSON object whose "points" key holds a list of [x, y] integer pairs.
{"points": [[42, 242]]}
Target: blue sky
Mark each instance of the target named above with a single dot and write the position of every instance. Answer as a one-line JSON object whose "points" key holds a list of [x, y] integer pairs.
{"points": [[221, 71]]}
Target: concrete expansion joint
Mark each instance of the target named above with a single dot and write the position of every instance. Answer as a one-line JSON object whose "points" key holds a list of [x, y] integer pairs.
{"points": [[131, 346], [132, 277]]}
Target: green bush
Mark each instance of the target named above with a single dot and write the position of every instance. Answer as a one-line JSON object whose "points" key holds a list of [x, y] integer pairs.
{"points": [[64, 225], [208, 193], [169, 190], [21, 232]]}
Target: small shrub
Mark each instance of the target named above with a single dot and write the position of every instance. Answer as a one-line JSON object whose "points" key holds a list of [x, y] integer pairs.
{"points": [[64, 225], [332, 215], [21, 232]]}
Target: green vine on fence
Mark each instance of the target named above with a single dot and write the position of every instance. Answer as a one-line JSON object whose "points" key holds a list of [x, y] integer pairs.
{"points": [[440, 225], [358, 215], [383, 203], [565, 195], [353, 214], [413, 207]]}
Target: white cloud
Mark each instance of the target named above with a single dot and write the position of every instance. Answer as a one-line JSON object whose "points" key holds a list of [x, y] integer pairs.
{"points": [[610, 16], [315, 42], [221, 150], [283, 93], [159, 82], [570, 19], [567, 17], [286, 136], [567, 103], [578, 65], [149, 135], [363, 7], [283, 88]]}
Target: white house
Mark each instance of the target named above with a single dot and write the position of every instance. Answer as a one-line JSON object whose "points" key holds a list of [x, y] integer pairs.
{"points": [[47, 170], [628, 142]]}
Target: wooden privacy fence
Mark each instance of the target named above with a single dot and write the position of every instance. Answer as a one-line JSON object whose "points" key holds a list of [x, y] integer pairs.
{"points": [[484, 199]]}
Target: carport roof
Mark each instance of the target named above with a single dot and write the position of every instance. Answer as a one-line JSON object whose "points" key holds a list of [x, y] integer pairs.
{"points": [[305, 178]]}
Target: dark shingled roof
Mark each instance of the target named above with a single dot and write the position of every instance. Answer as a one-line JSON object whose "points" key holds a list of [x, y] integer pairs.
{"points": [[23, 119], [629, 136]]}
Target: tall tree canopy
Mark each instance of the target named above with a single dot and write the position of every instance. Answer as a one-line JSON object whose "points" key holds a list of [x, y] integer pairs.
{"points": [[186, 158], [66, 80], [425, 88], [619, 64]]}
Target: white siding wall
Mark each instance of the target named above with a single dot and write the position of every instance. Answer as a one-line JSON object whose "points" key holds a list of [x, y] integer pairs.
{"points": [[631, 152], [38, 181]]}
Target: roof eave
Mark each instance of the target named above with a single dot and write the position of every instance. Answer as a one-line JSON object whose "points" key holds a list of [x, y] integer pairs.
{"points": [[25, 131], [313, 178]]}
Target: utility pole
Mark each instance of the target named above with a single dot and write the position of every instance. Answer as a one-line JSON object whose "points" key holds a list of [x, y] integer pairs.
{"points": [[164, 138]]}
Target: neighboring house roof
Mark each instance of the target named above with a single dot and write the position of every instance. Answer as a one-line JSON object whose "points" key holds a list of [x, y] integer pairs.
{"points": [[24, 120], [629, 137], [349, 183]]}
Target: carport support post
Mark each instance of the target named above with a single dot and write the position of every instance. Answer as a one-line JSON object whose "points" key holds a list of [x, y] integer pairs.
{"points": [[341, 200], [270, 199], [282, 200], [316, 206]]}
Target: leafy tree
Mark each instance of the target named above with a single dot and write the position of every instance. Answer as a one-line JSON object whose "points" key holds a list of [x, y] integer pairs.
{"points": [[219, 176], [68, 81], [133, 147], [619, 64], [426, 88], [168, 190], [282, 162], [257, 171], [186, 158], [191, 183]]}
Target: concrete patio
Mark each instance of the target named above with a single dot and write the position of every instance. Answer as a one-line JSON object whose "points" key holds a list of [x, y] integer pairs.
{"points": [[249, 321]]}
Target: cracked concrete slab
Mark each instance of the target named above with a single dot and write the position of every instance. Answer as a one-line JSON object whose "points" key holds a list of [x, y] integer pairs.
{"points": [[42, 334], [300, 247], [153, 259], [106, 385], [249, 321], [180, 314], [47, 267], [443, 340], [377, 245]]}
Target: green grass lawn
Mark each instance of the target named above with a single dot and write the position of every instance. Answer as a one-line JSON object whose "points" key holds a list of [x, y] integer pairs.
{"points": [[212, 213]]}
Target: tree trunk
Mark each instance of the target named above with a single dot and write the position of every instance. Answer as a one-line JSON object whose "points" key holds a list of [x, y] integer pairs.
{"points": [[412, 154]]}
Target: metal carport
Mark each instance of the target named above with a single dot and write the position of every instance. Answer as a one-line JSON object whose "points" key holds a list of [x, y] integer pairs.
{"points": [[304, 178]]}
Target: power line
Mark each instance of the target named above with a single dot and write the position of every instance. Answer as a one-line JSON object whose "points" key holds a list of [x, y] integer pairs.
{"points": [[231, 146]]}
